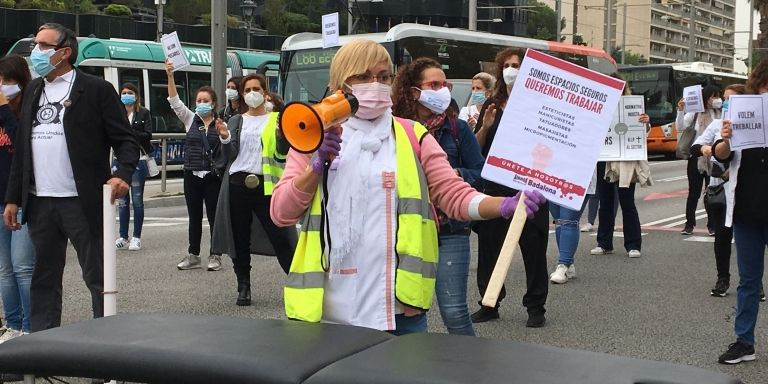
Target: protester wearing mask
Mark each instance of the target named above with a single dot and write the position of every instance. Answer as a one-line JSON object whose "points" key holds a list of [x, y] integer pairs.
{"points": [[698, 168], [491, 234], [747, 214], [201, 174], [254, 151], [412, 87], [141, 122], [482, 88], [235, 103], [17, 254], [372, 262]]}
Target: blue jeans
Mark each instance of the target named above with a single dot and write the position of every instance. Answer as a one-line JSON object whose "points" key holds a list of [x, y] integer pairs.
{"points": [[751, 241], [451, 285], [137, 195], [566, 232], [17, 262], [413, 324]]}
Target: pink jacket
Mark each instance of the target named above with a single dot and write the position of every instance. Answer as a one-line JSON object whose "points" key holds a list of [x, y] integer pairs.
{"points": [[448, 191]]}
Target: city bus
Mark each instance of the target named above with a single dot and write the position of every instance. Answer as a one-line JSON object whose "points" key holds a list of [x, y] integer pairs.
{"points": [[143, 63], [304, 63], [662, 86]]}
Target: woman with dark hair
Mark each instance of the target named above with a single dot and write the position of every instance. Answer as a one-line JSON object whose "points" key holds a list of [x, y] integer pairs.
{"points": [[235, 103], [491, 233], [17, 255], [274, 102], [698, 168], [747, 213], [420, 93], [141, 121], [254, 151], [201, 175]]}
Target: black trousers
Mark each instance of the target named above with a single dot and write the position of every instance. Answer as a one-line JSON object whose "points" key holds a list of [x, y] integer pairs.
{"points": [[607, 193], [52, 221], [533, 246], [696, 181], [723, 237], [243, 204], [196, 192]]}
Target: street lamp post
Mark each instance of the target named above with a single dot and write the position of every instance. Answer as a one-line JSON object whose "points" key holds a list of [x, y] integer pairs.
{"points": [[247, 8], [473, 15], [751, 32], [159, 4]]}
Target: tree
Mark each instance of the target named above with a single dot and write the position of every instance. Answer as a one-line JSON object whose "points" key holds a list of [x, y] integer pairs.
{"points": [[118, 10], [296, 16], [630, 58], [542, 21], [7, 3], [187, 11], [48, 5]]}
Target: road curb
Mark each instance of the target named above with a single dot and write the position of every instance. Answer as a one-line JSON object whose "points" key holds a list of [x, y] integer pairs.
{"points": [[165, 201]]}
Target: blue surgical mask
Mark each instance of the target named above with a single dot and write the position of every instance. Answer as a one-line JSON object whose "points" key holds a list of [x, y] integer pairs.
{"points": [[725, 105], [41, 60], [203, 109], [128, 99], [477, 98]]}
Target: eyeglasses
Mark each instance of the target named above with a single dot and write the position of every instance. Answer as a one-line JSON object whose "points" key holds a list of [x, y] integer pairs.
{"points": [[384, 78], [437, 85], [42, 46]]}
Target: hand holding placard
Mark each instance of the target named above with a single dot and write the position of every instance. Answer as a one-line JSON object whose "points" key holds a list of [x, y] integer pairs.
{"points": [[747, 121]]}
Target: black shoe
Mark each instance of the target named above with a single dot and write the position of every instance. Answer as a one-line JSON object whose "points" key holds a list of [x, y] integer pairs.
{"points": [[485, 314], [711, 231], [688, 230], [536, 319], [736, 353], [721, 288], [243, 294]]}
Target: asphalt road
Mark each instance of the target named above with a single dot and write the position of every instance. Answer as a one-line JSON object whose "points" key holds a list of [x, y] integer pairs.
{"points": [[656, 307]]}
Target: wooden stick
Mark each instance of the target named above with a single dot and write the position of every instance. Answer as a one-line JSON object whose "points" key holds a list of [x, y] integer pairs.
{"points": [[505, 255]]}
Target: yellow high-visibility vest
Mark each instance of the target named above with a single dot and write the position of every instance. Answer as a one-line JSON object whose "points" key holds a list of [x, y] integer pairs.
{"points": [[272, 163], [416, 246]]}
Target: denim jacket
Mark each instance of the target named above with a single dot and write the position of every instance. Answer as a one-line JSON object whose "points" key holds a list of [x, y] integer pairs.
{"points": [[467, 159]]}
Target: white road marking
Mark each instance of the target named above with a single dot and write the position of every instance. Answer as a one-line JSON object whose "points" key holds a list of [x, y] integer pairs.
{"points": [[675, 178], [652, 223]]}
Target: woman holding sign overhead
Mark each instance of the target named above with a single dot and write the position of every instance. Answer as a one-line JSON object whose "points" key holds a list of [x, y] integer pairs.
{"points": [[491, 234], [698, 168], [367, 252]]}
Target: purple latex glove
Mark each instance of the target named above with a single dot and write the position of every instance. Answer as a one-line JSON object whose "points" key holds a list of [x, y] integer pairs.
{"points": [[533, 199], [329, 149]]}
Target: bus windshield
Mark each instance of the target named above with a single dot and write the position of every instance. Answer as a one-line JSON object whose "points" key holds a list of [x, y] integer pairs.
{"points": [[657, 86]]}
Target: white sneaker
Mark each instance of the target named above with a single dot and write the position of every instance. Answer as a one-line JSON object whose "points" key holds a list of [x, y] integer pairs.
{"points": [[121, 243], [214, 262], [600, 251], [587, 227], [560, 275], [634, 253], [189, 262], [571, 273], [135, 244], [9, 334]]}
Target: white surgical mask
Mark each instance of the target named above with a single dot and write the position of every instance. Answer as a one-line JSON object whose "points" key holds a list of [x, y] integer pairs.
{"points": [[373, 99], [717, 103], [10, 91], [510, 74], [437, 101], [254, 99], [231, 94]]}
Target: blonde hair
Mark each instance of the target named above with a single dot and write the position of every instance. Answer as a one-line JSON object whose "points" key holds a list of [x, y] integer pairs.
{"points": [[488, 80], [355, 58]]}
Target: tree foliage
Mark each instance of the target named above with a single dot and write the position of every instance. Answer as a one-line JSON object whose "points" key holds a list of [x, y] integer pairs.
{"points": [[118, 10], [630, 58], [232, 22], [542, 21], [7, 3], [187, 11], [281, 17], [48, 5]]}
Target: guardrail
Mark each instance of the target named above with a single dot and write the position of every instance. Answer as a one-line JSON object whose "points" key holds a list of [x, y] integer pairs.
{"points": [[163, 139]]}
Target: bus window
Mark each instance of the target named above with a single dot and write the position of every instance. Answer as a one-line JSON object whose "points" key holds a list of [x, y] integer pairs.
{"points": [[158, 94], [197, 80], [307, 76], [687, 79], [132, 76], [95, 71]]}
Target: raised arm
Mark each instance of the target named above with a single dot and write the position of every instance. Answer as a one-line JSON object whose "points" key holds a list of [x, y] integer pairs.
{"points": [[182, 112]]}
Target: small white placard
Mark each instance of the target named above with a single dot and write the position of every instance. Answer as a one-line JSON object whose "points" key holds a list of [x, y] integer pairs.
{"points": [[173, 51], [331, 30], [692, 98]]}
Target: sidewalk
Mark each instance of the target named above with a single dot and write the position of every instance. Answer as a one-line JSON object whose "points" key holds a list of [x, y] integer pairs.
{"points": [[173, 196]]}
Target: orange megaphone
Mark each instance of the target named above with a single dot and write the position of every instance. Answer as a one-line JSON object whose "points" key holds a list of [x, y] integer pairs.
{"points": [[303, 125]]}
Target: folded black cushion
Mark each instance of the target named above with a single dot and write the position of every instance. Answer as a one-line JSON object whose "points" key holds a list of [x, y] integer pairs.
{"points": [[186, 349], [446, 359]]}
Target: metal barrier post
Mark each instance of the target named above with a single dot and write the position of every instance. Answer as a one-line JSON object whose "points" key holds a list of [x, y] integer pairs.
{"points": [[164, 162]]}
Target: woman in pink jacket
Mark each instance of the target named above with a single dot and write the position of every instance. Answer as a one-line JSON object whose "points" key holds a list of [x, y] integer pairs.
{"points": [[352, 264]]}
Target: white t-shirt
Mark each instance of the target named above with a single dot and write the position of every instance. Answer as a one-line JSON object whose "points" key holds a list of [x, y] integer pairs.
{"points": [[50, 155], [249, 156]]}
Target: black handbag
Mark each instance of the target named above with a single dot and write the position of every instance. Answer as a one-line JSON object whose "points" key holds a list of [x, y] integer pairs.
{"points": [[715, 196]]}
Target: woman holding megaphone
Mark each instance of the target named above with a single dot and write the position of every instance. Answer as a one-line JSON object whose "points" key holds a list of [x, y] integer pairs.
{"points": [[254, 152], [367, 253]]}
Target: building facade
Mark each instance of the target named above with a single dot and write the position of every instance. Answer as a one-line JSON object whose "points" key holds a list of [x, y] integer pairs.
{"points": [[660, 30]]}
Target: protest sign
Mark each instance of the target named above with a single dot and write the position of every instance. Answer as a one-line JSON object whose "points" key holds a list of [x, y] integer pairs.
{"points": [[331, 30], [692, 99], [748, 125], [626, 139], [553, 129], [173, 51]]}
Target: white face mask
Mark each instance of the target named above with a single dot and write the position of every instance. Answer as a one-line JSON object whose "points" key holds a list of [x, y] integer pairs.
{"points": [[254, 99], [436, 101], [510, 74], [717, 103], [10, 91], [231, 94]]}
